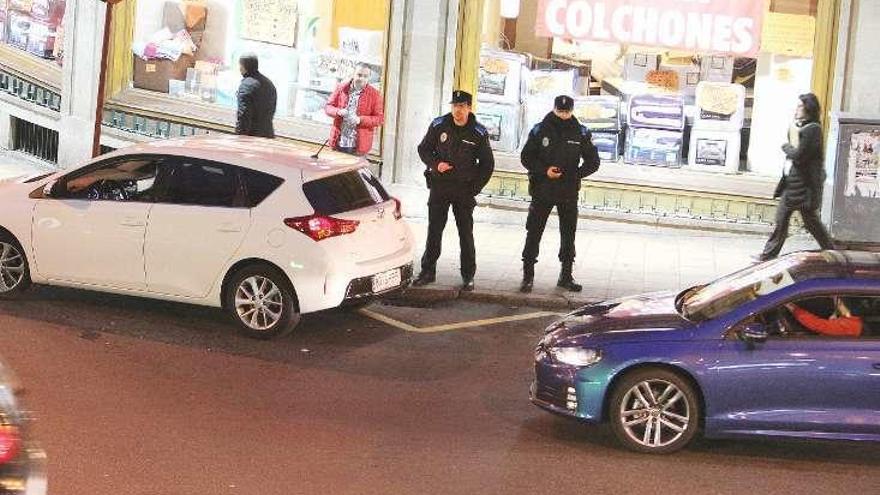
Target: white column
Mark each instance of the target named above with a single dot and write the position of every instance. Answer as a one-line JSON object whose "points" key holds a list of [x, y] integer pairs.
{"points": [[83, 37], [423, 35], [5, 129]]}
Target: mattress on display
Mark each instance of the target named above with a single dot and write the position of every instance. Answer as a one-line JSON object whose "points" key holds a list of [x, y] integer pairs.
{"points": [[501, 76], [655, 147], [599, 113], [715, 150], [608, 145], [503, 122], [720, 106], [656, 111]]}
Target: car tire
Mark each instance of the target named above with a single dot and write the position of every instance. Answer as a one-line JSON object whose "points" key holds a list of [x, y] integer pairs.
{"points": [[654, 411], [261, 302], [15, 274]]}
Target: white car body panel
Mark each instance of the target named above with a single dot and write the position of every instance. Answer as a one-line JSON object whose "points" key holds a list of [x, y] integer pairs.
{"points": [[185, 251], [90, 242]]}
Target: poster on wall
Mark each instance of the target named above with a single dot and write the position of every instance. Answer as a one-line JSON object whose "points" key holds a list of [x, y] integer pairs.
{"points": [[361, 44], [721, 26], [269, 21], [864, 165]]}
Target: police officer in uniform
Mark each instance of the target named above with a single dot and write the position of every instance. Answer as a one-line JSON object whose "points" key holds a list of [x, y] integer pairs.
{"points": [[558, 154], [459, 164]]}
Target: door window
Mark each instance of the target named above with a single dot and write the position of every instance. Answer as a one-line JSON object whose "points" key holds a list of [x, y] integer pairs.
{"points": [[824, 317], [202, 183], [132, 179], [259, 185]]}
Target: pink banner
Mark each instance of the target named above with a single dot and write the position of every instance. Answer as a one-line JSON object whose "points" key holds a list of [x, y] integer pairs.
{"points": [[706, 26]]}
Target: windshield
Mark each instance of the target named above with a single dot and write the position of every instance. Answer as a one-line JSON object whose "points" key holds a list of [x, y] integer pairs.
{"points": [[725, 294]]}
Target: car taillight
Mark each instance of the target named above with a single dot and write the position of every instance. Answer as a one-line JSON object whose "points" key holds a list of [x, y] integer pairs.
{"points": [[10, 443], [398, 209], [320, 227]]}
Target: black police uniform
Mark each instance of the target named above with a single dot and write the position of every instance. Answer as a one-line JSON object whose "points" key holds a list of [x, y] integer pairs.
{"points": [[564, 144], [467, 149]]}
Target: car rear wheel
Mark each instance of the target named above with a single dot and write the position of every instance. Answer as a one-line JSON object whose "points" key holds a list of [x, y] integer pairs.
{"points": [[654, 411], [261, 302], [15, 275]]}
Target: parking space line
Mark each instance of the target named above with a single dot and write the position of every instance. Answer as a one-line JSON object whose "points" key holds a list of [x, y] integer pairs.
{"points": [[455, 326], [388, 321]]}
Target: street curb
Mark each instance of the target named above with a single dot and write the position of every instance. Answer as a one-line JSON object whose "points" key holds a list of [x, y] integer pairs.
{"points": [[421, 296]]}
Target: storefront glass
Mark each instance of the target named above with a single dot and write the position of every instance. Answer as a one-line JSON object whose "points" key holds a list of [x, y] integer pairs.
{"points": [[704, 85], [35, 26], [189, 50]]}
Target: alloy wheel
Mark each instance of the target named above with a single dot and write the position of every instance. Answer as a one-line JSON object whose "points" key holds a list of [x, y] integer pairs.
{"points": [[259, 303], [655, 413], [12, 267]]}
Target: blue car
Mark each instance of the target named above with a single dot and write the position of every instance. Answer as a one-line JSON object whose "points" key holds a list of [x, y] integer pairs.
{"points": [[786, 348]]}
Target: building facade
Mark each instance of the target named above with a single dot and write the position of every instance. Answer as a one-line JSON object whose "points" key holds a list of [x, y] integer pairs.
{"points": [[172, 72]]}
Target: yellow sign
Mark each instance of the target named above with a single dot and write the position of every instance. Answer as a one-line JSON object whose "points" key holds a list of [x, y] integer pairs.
{"points": [[789, 34]]}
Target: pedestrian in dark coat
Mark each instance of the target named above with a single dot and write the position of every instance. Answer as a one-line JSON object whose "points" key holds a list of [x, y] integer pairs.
{"points": [[800, 188], [558, 154], [256, 100], [459, 164]]}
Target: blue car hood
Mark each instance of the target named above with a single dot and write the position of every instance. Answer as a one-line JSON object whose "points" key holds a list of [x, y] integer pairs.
{"points": [[644, 318]]}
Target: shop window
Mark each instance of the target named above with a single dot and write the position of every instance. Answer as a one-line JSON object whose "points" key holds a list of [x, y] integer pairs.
{"points": [[711, 109], [35, 26], [189, 50]]}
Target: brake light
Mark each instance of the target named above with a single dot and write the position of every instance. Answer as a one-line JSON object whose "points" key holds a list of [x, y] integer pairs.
{"points": [[398, 209], [320, 227], [10, 443]]}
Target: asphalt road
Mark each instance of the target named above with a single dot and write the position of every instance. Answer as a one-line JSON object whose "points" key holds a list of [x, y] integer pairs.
{"points": [[148, 398]]}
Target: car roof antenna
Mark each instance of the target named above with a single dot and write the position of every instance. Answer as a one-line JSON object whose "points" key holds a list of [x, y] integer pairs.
{"points": [[316, 155]]}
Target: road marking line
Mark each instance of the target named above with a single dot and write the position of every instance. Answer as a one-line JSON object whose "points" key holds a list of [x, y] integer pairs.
{"points": [[388, 321], [455, 326]]}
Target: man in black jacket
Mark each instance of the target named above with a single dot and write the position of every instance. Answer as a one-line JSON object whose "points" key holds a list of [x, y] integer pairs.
{"points": [[256, 100], [460, 162], [558, 154]]}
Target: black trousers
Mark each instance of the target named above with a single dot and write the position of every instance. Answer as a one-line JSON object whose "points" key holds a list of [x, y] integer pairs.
{"points": [[780, 233], [438, 212], [539, 211]]}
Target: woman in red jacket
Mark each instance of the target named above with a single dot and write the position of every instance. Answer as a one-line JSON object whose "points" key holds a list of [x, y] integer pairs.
{"points": [[356, 108]]}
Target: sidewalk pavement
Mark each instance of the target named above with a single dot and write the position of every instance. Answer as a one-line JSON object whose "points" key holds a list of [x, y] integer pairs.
{"points": [[613, 260], [14, 164]]}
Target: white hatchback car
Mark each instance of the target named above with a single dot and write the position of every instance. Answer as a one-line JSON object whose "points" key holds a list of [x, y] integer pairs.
{"points": [[264, 230]]}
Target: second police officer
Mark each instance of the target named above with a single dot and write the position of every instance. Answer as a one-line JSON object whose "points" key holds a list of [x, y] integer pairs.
{"points": [[459, 163], [558, 154]]}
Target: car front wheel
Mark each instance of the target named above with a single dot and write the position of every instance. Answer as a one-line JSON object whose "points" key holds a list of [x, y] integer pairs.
{"points": [[654, 411], [15, 276], [261, 302]]}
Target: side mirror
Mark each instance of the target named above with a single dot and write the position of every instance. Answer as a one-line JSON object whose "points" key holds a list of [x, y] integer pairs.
{"points": [[753, 333]]}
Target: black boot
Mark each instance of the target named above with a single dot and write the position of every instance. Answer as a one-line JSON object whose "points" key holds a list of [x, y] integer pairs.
{"points": [[528, 279], [566, 281], [424, 278]]}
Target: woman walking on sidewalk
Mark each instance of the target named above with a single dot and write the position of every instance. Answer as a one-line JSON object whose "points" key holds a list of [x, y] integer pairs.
{"points": [[800, 188]]}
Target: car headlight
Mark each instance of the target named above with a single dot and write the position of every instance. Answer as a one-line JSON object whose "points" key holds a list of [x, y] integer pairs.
{"points": [[575, 356]]}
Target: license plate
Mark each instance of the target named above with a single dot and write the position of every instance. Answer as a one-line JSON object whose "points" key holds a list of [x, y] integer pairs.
{"points": [[386, 280]]}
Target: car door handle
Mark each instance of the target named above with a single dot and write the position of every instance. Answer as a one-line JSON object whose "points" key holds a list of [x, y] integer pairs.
{"points": [[877, 366], [132, 222], [229, 228]]}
